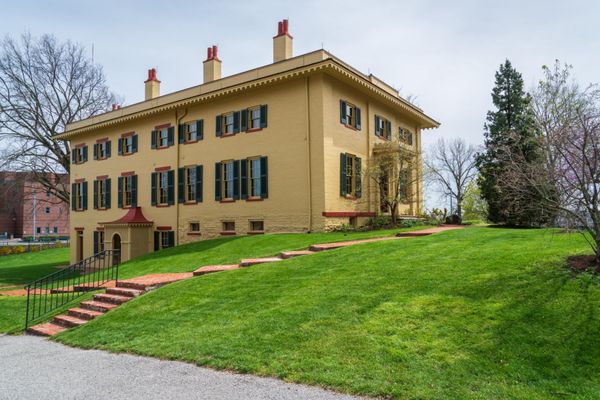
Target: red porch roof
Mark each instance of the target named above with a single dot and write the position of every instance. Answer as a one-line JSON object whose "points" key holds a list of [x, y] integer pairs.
{"points": [[133, 216]]}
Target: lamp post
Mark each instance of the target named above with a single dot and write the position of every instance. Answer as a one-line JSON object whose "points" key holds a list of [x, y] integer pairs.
{"points": [[34, 213]]}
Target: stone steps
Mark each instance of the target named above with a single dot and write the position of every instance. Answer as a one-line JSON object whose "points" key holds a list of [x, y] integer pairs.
{"points": [[248, 262], [296, 253]]}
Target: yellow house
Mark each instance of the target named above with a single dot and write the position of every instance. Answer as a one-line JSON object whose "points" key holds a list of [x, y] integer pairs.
{"points": [[279, 148]]}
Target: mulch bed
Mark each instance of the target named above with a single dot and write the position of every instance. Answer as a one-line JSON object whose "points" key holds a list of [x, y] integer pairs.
{"points": [[583, 263]]}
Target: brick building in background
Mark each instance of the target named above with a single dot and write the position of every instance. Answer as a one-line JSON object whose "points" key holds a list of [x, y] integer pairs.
{"points": [[18, 215]]}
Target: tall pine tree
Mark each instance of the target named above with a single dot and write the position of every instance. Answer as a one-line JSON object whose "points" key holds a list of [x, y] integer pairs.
{"points": [[509, 128]]}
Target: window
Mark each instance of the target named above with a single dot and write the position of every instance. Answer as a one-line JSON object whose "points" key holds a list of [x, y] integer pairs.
{"points": [[47, 211], [190, 184], [127, 196], [350, 176], [128, 144], [55, 229], [162, 137], [254, 115], [404, 186], [47, 230], [350, 115], [194, 227], [228, 180], [79, 196], [127, 191], [98, 242], [405, 136], [228, 226], [47, 194], [163, 239], [384, 193], [383, 128], [79, 155], [191, 132], [102, 194], [228, 124], [38, 230], [102, 150], [257, 226], [162, 188], [189, 181], [254, 179]]}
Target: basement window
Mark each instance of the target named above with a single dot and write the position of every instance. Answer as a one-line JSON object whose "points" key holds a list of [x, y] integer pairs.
{"points": [[257, 226], [228, 226], [194, 227]]}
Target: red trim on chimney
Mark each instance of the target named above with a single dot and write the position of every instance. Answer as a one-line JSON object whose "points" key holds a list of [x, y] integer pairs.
{"points": [[212, 54], [164, 228], [80, 145], [80, 180], [102, 140], [152, 76], [161, 169], [79, 228], [349, 213], [128, 173], [162, 126], [127, 134], [101, 177], [283, 29]]}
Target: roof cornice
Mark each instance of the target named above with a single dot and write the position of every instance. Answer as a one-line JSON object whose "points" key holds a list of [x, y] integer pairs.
{"points": [[329, 65]]}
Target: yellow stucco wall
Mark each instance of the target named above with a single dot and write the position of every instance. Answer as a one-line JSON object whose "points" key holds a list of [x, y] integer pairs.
{"points": [[303, 142]]}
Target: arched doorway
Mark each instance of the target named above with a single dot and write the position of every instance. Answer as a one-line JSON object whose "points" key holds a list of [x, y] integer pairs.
{"points": [[116, 246]]}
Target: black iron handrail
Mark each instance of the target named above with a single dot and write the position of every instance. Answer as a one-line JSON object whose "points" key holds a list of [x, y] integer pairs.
{"points": [[53, 291]]}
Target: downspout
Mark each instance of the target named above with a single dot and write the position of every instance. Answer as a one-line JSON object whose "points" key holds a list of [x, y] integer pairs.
{"points": [[176, 173], [368, 160], [308, 153]]}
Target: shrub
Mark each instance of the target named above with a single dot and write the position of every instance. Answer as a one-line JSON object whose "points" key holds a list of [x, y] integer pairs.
{"points": [[453, 219], [342, 228], [379, 222]]}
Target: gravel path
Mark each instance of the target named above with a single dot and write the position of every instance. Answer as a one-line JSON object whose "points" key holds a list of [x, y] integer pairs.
{"points": [[35, 368]]}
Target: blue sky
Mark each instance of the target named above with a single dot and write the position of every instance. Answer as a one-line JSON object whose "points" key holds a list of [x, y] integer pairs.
{"points": [[443, 52]]}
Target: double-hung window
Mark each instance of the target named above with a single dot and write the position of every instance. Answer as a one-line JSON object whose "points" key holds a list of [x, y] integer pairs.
{"points": [[163, 188], [127, 191], [254, 178], [79, 196], [102, 194], [350, 176], [254, 116], [228, 124], [383, 128], [163, 239], [350, 115], [163, 138], [79, 155], [102, 150], [228, 180], [190, 184]]}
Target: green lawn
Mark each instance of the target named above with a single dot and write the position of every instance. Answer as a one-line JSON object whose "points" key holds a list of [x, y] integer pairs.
{"points": [[481, 313], [18, 269]]}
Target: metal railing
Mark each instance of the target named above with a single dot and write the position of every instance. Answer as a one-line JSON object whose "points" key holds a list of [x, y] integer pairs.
{"points": [[53, 291]]}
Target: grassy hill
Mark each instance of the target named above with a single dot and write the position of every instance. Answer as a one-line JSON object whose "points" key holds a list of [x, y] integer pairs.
{"points": [[474, 314]]}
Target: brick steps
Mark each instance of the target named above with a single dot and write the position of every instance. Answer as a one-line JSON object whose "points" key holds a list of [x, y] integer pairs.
{"points": [[68, 321], [214, 268], [83, 313], [98, 306], [47, 329], [248, 262], [111, 298], [127, 292], [289, 254]]}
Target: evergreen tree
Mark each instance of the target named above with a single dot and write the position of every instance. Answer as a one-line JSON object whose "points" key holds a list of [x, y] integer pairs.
{"points": [[510, 128]]}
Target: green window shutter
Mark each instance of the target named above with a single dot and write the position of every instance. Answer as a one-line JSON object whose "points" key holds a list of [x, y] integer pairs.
{"points": [[343, 189], [218, 122], [171, 235], [153, 187], [236, 122], [153, 140], [357, 125], [73, 156], [244, 115], [171, 187], [358, 177], [95, 151], [264, 178], [120, 146], [134, 191], [389, 130], [108, 149], [171, 136], [244, 179], [95, 242], [218, 181], [199, 173], [73, 190], [107, 195], [343, 117], [85, 195], [181, 133], [120, 192], [181, 185], [156, 240], [85, 153], [236, 179], [200, 129], [95, 195], [263, 116], [134, 143], [377, 130]]}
